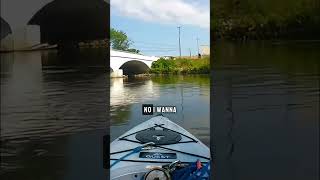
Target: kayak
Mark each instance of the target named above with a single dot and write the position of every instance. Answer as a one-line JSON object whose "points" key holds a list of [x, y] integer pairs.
{"points": [[154, 145]]}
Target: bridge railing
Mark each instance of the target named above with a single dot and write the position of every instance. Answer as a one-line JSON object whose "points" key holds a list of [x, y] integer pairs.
{"points": [[124, 51], [133, 56]]}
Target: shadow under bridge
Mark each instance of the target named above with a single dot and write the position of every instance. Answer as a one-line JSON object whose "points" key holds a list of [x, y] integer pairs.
{"points": [[68, 22]]}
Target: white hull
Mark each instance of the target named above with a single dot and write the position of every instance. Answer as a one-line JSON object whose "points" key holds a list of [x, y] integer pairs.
{"points": [[187, 149]]}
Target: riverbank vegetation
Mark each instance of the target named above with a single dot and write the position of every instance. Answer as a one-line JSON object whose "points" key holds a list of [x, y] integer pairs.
{"points": [[263, 20], [181, 66]]}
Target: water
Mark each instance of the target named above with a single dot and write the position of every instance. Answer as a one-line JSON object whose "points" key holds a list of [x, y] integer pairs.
{"points": [[53, 114], [190, 95], [265, 110]]}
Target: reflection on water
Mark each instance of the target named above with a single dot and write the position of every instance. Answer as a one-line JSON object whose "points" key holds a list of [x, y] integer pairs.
{"points": [[53, 114], [265, 109], [130, 91], [190, 94]]}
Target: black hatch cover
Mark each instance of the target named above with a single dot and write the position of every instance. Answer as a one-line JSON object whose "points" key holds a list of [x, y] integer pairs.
{"points": [[159, 137]]}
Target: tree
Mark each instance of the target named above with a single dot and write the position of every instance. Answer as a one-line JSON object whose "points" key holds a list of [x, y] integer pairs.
{"points": [[120, 41]]}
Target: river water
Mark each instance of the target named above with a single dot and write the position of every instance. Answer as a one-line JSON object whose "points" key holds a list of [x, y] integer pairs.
{"points": [[189, 94], [265, 110], [53, 114], [53, 111]]}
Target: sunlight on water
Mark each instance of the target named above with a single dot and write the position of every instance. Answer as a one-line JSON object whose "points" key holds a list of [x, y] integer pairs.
{"points": [[190, 95]]}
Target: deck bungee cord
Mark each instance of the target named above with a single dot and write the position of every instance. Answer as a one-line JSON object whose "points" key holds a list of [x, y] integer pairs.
{"points": [[133, 151], [159, 149], [191, 171], [140, 148]]}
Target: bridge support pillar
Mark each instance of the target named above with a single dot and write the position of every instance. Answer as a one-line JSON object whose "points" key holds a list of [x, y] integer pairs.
{"points": [[117, 73], [25, 37]]}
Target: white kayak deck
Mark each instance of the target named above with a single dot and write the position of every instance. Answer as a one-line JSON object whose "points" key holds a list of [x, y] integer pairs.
{"points": [[188, 149]]}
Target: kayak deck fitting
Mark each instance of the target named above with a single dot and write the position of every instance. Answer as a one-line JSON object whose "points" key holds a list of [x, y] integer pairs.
{"points": [[153, 144]]}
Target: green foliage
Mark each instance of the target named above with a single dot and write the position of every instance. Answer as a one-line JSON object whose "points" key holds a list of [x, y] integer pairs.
{"points": [[120, 41], [163, 66], [271, 19], [181, 66]]}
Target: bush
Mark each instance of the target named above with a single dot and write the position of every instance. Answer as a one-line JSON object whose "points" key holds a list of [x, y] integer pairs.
{"points": [[181, 65], [163, 66]]}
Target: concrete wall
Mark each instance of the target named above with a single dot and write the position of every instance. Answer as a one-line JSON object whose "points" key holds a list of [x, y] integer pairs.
{"points": [[22, 38], [6, 43], [26, 37]]}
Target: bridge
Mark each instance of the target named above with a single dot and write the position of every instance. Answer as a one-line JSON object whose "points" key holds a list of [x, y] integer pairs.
{"points": [[125, 63], [32, 24]]}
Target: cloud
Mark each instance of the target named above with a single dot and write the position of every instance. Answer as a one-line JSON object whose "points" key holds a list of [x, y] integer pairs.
{"points": [[179, 12]]}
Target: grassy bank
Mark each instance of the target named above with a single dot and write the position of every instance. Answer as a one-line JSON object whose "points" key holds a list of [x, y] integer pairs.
{"points": [[264, 20], [181, 66]]}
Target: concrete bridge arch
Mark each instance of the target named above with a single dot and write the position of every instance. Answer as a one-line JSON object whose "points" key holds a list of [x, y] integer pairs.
{"points": [[72, 21], [5, 35], [5, 28], [124, 63], [55, 21]]}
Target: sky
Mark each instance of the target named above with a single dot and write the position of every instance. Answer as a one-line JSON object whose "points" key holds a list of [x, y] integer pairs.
{"points": [[152, 24]]}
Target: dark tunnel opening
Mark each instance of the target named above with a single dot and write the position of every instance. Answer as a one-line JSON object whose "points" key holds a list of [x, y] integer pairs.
{"points": [[67, 22], [134, 67], [5, 28]]}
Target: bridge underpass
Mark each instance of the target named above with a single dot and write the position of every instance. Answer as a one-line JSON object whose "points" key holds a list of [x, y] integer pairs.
{"points": [[124, 63], [134, 67], [68, 22], [5, 29], [5, 35], [49, 22]]}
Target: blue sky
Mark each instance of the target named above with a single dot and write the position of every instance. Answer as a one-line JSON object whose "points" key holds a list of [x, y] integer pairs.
{"points": [[152, 24]]}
